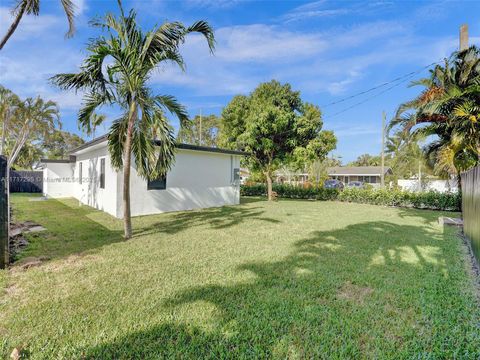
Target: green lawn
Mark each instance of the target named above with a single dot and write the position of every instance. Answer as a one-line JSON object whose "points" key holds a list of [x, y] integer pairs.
{"points": [[291, 279]]}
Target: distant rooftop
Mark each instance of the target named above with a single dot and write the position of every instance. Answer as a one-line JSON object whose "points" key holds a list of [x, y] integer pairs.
{"points": [[358, 170]]}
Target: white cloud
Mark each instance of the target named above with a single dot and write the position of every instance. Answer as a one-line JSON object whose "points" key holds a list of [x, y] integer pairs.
{"points": [[80, 7], [30, 26], [265, 43]]}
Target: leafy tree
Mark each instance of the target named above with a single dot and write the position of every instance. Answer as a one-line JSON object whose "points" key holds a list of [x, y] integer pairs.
{"points": [[8, 105], [116, 71], [30, 155], [275, 127], [89, 127], [58, 143], [32, 121], [202, 130], [32, 7], [367, 160], [449, 110]]}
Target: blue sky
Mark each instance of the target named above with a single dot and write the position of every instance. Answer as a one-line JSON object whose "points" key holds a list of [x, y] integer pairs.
{"points": [[328, 50]]}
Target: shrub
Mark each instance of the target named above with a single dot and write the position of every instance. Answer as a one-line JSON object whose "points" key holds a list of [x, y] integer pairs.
{"points": [[388, 197]]}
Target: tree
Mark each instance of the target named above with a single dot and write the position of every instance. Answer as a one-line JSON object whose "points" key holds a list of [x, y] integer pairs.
{"points": [[367, 160], [58, 143], [33, 120], [202, 130], [116, 71], [274, 126], [449, 110], [95, 121], [32, 7], [8, 104]]}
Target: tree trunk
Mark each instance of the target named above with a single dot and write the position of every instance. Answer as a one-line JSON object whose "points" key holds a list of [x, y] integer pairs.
{"points": [[13, 27], [4, 134], [127, 218], [269, 185]]}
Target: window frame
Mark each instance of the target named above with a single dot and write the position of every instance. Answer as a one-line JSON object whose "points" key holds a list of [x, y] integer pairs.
{"points": [[102, 173], [161, 184]]}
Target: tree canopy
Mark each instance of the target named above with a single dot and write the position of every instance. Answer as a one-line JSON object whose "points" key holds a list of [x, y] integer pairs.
{"points": [[448, 112], [275, 127], [201, 130]]}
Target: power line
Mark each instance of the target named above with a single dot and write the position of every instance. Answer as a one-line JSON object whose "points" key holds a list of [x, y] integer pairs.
{"points": [[405, 79], [378, 86]]}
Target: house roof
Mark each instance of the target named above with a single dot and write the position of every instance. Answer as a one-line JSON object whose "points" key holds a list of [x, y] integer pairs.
{"points": [[358, 170], [103, 138]]}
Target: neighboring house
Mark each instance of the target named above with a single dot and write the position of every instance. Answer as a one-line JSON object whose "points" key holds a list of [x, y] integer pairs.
{"points": [[287, 176], [201, 177], [367, 174]]}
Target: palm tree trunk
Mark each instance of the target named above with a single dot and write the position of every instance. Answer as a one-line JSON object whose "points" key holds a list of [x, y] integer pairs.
{"points": [[4, 134], [14, 25], [127, 217]]}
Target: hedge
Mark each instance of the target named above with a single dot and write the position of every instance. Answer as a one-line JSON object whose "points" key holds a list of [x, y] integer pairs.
{"points": [[424, 200]]}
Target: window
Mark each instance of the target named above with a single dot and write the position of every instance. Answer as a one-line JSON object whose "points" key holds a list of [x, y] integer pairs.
{"points": [[157, 184], [102, 173], [79, 172]]}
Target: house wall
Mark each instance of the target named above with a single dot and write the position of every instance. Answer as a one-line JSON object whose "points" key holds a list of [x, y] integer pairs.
{"points": [[442, 186], [88, 192], [198, 179], [58, 180]]}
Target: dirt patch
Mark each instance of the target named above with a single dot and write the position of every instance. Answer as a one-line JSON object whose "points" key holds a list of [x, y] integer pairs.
{"points": [[353, 292]]}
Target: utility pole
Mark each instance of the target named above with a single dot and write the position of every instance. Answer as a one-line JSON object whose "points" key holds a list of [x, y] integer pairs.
{"points": [[200, 132], [463, 37], [384, 116]]}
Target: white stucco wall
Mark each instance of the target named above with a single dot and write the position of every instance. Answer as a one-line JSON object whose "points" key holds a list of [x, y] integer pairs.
{"points": [[442, 186], [89, 192], [58, 180], [197, 180]]}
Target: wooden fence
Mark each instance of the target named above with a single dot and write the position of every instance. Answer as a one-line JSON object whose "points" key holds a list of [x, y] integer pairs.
{"points": [[4, 256], [471, 208], [26, 181]]}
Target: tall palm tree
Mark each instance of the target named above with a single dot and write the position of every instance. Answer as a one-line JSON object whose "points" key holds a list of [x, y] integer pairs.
{"points": [[8, 103], [32, 7], [33, 119], [95, 121], [132, 58], [448, 108]]}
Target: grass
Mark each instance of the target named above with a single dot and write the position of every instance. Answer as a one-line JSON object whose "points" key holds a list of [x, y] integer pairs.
{"points": [[292, 279]]}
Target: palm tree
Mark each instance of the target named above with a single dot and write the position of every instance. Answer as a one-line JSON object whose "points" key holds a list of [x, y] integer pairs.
{"points": [[142, 128], [8, 103], [448, 108], [32, 7], [95, 121], [32, 119]]}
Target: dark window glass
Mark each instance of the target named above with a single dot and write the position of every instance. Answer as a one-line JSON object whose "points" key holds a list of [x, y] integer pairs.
{"points": [[80, 173], [102, 173], [157, 184]]}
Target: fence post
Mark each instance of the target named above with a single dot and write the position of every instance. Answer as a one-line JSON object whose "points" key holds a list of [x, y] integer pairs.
{"points": [[4, 253]]}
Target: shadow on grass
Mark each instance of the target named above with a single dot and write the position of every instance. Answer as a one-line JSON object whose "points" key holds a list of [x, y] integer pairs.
{"points": [[70, 229], [215, 218], [361, 291]]}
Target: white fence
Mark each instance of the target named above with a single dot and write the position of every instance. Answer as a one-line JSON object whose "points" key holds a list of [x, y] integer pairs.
{"points": [[436, 185]]}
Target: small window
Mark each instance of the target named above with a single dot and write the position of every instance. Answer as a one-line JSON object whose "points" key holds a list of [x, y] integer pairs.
{"points": [[79, 172], [236, 174], [157, 184], [102, 173]]}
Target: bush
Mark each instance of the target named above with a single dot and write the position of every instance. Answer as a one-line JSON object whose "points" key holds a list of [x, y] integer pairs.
{"points": [[425, 200]]}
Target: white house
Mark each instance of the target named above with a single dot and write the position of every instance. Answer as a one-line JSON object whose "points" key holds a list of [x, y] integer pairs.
{"points": [[201, 177]]}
